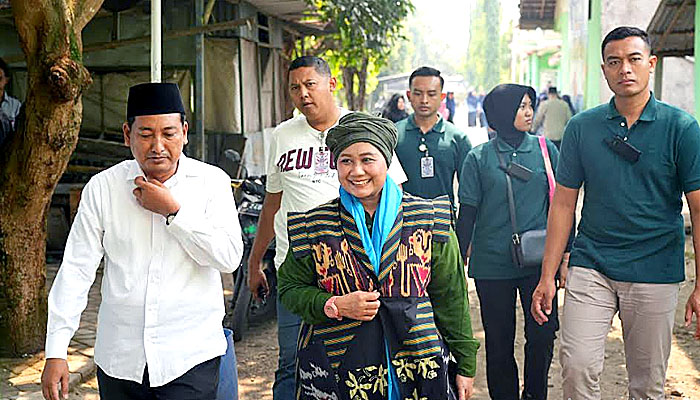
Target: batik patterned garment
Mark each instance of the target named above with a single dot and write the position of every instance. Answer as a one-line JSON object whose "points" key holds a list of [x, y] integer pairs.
{"points": [[346, 359]]}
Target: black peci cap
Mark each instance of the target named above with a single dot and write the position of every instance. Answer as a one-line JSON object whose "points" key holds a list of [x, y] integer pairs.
{"points": [[153, 99]]}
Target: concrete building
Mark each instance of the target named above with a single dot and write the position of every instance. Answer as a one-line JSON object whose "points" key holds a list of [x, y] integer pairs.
{"points": [[581, 25], [229, 59]]}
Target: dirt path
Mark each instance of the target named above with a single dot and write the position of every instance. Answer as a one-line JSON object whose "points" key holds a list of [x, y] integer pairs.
{"points": [[257, 356]]}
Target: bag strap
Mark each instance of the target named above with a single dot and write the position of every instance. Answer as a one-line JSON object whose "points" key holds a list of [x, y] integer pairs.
{"points": [[511, 199], [547, 166]]}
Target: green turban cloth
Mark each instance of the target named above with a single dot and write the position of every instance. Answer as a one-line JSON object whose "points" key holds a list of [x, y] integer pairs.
{"points": [[358, 127]]}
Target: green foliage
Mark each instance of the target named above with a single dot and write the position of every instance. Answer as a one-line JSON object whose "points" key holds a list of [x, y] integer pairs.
{"points": [[422, 44], [505, 55], [488, 52], [366, 31], [364, 28], [402, 55], [492, 11]]}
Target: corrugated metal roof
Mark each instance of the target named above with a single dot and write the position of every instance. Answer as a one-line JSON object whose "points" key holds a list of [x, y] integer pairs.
{"points": [[295, 12], [672, 29], [288, 10], [537, 14]]}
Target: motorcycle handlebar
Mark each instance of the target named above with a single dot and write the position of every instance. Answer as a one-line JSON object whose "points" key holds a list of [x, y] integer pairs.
{"points": [[251, 184]]}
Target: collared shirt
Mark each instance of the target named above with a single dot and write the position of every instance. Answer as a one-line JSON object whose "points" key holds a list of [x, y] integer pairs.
{"points": [[301, 166], [554, 113], [631, 226], [483, 186], [10, 107], [162, 299], [447, 145]]}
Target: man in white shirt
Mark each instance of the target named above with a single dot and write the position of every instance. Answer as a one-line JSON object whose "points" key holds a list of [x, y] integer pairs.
{"points": [[9, 106], [166, 226], [301, 175]]}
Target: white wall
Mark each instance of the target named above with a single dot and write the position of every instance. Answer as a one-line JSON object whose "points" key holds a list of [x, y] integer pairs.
{"points": [[678, 72], [679, 83]]}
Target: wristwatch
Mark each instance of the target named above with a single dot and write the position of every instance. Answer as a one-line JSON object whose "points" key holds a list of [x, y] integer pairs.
{"points": [[170, 218], [331, 310]]}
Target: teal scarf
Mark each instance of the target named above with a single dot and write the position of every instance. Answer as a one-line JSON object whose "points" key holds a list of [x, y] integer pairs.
{"points": [[384, 218]]}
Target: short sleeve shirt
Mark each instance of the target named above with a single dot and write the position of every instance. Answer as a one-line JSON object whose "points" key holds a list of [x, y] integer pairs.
{"points": [[446, 144], [631, 226], [483, 186], [302, 167], [10, 107]]}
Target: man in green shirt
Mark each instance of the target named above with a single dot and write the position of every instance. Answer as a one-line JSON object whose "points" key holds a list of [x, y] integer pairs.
{"points": [[636, 156], [430, 149]]}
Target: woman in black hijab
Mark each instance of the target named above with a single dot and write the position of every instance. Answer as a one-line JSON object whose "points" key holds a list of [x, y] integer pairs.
{"points": [[395, 109], [484, 217]]}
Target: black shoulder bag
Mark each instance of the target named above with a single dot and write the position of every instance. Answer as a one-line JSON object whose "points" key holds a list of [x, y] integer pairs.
{"points": [[526, 249]]}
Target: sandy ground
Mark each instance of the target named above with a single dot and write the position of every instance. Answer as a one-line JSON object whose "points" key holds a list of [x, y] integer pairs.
{"points": [[257, 356]]}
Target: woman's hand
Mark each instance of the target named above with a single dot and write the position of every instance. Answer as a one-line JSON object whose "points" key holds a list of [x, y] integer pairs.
{"points": [[359, 305], [465, 387]]}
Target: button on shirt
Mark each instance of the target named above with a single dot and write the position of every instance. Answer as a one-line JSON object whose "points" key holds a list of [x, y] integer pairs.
{"points": [[162, 299], [445, 143], [631, 226]]}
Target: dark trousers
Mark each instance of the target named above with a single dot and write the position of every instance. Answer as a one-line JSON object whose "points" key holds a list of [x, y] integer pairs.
{"points": [[471, 118], [482, 120], [497, 302], [199, 383]]}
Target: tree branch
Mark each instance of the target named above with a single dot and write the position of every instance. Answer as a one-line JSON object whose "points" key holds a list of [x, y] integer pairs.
{"points": [[84, 11]]}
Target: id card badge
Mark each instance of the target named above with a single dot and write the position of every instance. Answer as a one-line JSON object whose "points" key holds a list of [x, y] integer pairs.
{"points": [[427, 169], [322, 162]]}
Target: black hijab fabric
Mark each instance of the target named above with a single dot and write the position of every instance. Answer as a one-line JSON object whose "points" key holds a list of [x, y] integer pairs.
{"points": [[501, 105]]}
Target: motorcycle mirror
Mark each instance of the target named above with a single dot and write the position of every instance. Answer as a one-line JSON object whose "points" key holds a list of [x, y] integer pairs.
{"points": [[232, 155]]}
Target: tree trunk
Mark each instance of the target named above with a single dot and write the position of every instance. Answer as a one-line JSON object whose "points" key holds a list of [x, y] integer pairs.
{"points": [[362, 84], [349, 85], [33, 160]]}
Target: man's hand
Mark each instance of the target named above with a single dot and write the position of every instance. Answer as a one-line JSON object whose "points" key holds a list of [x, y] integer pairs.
{"points": [[542, 300], [359, 305], [693, 307], [563, 271], [465, 387], [55, 373], [256, 277], [154, 196]]}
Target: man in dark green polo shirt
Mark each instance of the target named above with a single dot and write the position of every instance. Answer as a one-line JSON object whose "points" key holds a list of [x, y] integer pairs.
{"points": [[430, 149], [636, 156]]}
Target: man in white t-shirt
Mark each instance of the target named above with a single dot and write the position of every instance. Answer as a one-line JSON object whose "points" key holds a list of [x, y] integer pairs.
{"points": [[301, 175]]}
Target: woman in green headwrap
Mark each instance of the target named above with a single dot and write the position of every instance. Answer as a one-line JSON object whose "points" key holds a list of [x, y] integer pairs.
{"points": [[378, 280]]}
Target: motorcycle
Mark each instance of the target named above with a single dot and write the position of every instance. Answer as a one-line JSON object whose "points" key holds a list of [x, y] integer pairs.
{"points": [[250, 194]]}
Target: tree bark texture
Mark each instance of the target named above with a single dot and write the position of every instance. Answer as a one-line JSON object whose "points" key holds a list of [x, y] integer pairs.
{"points": [[33, 160], [349, 86], [355, 84], [362, 84]]}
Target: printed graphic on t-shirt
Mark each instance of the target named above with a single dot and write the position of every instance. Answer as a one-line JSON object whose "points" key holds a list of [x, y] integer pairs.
{"points": [[310, 163]]}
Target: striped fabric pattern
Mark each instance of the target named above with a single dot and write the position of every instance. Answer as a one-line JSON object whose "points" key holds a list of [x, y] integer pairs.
{"points": [[353, 238], [443, 219], [330, 223], [423, 337], [298, 235], [336, 336]]}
